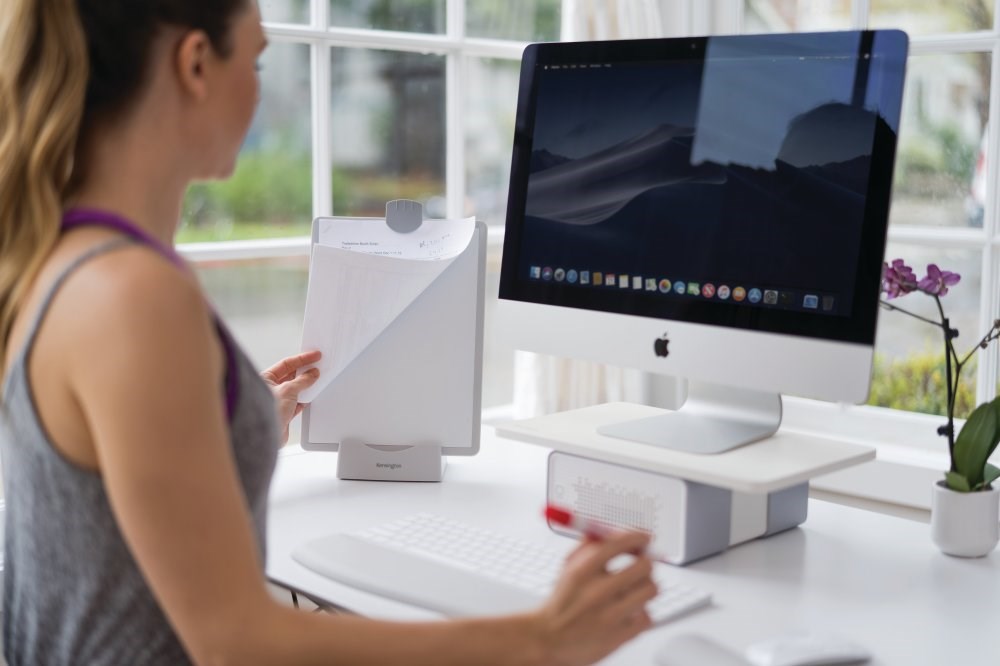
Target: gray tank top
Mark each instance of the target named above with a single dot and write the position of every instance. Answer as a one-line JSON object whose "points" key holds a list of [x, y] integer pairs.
{"points": [[73, 593]]}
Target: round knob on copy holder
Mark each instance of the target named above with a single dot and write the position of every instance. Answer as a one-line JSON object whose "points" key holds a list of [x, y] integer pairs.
{"points": [[404, 215]]}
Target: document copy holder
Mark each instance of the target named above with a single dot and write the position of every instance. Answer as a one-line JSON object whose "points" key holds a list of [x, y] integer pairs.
{"points": [[413, 395]]}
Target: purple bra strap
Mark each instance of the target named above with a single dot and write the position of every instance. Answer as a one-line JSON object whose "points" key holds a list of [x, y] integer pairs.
{"points": [[90, 217]]}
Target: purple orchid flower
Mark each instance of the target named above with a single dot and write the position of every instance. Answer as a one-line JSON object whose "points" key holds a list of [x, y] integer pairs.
{"points": [[937, 281], [897, 279]]}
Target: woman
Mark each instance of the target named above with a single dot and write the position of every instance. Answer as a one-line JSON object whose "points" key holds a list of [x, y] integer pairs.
{"points": [[137, 441]]}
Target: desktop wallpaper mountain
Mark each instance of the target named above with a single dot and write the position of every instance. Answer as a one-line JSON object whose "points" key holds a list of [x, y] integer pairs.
{"points": [[743, 175]]}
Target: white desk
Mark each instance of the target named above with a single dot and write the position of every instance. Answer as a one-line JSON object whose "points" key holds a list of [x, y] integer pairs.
{"points": [[876, 579]]}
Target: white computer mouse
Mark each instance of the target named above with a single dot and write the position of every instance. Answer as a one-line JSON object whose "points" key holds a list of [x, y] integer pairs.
{"points": [[806, 649]]}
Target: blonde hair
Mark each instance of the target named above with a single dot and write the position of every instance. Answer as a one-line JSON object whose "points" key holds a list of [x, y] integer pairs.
{"points": [[43, 82]]}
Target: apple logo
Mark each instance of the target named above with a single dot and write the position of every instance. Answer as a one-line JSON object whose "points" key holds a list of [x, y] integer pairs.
{"points": [[660, 345]]}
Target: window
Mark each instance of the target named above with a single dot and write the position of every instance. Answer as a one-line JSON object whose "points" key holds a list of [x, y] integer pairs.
{"points": [[929, 17], [387, 130], [427, 16], [796, 15], [270, 193], [363, 101]]}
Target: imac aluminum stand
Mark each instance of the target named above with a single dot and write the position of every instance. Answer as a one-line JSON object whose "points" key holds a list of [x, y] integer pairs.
{"points": [[357, 460], [713, 419]]}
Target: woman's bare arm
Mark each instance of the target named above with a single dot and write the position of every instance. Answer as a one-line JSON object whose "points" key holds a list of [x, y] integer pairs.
{"points": [[154, 406]]}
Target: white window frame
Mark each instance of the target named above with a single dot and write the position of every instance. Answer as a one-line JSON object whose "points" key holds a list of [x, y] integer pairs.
{"points": [[909, 450], [454, 44], [321, 38]]}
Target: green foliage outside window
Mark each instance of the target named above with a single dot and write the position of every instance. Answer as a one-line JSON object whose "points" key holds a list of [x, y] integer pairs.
{"points": [[930, 162], [364, 194], [947, 15], [916, 383], [958, 155], [410, 15], [531, 20], [269, 195]]}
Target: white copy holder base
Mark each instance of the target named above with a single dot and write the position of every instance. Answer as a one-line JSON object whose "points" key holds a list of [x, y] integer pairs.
{"points": [[390, 463]]}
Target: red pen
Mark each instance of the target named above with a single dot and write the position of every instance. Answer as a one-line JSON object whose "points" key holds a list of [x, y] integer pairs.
{"points": [[588, 526]]}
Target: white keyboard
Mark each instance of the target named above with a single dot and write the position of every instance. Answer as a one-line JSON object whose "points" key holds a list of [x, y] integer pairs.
{"points": [[460, 570]]}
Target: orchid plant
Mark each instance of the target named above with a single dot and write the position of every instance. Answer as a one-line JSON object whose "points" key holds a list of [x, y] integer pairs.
{"points": [[970, 451]]}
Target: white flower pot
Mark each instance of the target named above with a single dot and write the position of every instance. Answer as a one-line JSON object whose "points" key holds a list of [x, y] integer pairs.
{"points": [[965, 524]]}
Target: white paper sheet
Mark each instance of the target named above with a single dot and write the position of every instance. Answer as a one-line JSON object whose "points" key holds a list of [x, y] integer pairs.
{"points": [[434, 239], [362, 275]]}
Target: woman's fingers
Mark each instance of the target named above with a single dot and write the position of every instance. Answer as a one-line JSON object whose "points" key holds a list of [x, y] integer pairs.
{"points": [[632, 626], [635, 574], [592, 557], [290, 390], [630, 600], [286, 368], [594, 610], [608, 590]]}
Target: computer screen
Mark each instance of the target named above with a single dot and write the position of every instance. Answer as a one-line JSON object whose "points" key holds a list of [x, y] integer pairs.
{"points": [[717, 205]]}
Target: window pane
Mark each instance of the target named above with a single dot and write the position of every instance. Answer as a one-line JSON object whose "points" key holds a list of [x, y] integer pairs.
{"points": [[909, 354], [404, 15], [490, 106], [262, 302], [940, 165], [388, 131], [796, 15], [920, 17], [528, 20], [270, 192], [285, 11]]}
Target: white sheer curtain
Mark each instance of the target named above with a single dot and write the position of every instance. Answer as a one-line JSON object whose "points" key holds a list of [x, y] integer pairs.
{"points": [[545, 384]]}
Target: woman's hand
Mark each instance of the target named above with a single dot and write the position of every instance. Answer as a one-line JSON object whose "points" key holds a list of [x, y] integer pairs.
{"points": [[593, 611], [287, 387]]}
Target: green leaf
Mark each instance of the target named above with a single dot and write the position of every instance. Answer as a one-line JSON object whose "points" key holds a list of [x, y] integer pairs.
{"points": [[975, 442], [996, 436], [991, 474], [957, 482]]}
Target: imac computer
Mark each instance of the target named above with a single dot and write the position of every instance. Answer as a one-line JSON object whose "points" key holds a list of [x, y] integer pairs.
{"points": [[713, 209]]}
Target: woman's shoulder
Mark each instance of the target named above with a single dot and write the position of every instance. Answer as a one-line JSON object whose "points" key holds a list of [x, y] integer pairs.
{"points": [[132, 314], [129, 276], [127, 290]]}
